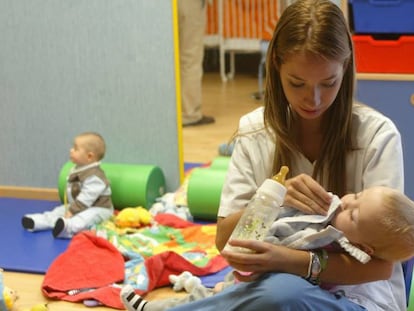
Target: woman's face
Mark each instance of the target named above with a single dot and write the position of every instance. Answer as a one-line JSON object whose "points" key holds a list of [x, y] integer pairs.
{"points": [[311, 83]]}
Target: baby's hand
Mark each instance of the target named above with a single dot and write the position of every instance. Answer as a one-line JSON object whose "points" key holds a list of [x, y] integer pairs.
{"points": [[68, 214]]}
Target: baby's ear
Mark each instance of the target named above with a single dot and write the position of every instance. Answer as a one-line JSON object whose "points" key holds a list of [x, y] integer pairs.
{"points": [[91, 155]]}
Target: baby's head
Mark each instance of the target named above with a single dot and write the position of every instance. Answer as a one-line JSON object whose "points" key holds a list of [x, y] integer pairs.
{"points": [[380, 221], [87, 148]]}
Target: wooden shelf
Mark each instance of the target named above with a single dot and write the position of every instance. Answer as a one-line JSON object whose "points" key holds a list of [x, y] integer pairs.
{"points": [[385, 76]]}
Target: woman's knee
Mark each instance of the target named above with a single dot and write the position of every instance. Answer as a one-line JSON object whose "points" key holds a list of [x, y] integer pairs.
{"points": [[283, 292]]}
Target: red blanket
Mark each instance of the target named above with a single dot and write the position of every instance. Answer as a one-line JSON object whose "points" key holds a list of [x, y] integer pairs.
{"points": [[90, 264], [93, 265]]}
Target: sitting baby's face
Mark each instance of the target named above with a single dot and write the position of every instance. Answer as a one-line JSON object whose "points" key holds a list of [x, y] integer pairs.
{"points": [[80, 154], [358, 217]]}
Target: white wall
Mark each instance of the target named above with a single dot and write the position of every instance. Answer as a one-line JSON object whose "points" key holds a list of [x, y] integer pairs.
{"points": [[78, 65]]}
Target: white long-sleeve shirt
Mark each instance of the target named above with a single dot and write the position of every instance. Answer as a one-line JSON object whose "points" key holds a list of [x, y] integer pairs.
{"points": [[378, 161]]}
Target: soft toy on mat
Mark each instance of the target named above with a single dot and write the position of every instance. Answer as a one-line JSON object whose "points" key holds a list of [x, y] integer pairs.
{"points": [[133, 217], [8, 295], [8, 300]]}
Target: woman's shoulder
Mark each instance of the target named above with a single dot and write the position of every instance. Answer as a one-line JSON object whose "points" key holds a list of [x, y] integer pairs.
{"points": [[252, 121]]}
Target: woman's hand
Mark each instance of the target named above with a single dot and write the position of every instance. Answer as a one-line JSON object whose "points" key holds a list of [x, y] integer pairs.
{"points": [[265, 257], [307, 195]]}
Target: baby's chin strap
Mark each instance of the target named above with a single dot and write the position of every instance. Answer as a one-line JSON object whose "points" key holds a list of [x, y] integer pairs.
{"points": [[354, 251]]}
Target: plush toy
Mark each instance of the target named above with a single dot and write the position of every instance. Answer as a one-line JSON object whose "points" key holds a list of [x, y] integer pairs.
{"points": [[133, 217], [185, 281], [9, 298]]}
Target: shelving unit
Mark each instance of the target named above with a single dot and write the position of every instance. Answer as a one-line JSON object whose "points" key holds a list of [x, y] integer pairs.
{"points": [[392, 91]]}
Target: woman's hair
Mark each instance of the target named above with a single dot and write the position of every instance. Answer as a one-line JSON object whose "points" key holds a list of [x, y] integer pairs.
{"points": [[396, 226], [95, 144], [317, 27]]}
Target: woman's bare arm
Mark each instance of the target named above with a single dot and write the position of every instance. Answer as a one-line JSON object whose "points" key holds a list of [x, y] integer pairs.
{"points": [[225, 227], [341, 269], [344, 269]]}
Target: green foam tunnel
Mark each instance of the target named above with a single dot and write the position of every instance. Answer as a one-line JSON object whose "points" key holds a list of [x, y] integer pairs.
{"points": [[411, 295], [220, 163], [131, 185], [204, 192]]}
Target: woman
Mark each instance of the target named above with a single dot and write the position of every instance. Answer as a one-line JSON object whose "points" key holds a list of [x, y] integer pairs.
{"points": [[311, 124]]}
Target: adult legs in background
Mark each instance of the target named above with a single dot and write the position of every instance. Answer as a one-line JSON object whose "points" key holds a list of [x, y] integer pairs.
{"points": [[191, 23]]}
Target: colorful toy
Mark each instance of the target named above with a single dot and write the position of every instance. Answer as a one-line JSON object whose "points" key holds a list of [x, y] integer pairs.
{"points": [[8, 296], [133, 217]]}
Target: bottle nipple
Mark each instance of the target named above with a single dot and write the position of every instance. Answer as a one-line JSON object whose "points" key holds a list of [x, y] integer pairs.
{"points": [[281, 176]]}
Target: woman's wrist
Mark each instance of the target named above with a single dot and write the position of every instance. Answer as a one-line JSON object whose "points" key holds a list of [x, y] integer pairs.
{"points": [[294, 261], [318, 261]]}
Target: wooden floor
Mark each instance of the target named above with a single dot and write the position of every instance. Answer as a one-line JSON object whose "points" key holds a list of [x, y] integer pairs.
{"points": [[226, 102]]}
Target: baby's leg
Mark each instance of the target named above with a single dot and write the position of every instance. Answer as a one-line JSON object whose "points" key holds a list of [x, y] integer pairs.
{"points": [[131, 300], [134, 302], [42, 221], [66, 228]]}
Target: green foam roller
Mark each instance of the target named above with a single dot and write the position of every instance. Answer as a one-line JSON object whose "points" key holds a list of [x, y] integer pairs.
{"points": [[411, 295], [131, 185], [220, 163], [204, 192]]}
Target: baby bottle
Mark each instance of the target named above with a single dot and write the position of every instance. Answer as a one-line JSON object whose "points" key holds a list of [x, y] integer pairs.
{"points": [[261, 211]]}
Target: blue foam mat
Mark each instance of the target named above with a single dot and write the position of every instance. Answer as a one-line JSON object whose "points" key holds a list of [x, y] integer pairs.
{"points": [[190, 165], [33, 252], [24, 251], [212, 279]]}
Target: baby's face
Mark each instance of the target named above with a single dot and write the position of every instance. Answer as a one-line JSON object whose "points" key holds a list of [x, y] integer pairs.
{"points": [[78, 153], [358, 214]]}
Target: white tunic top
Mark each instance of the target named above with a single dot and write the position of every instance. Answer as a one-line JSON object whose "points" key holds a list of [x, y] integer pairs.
{"points": [[377, 162]]}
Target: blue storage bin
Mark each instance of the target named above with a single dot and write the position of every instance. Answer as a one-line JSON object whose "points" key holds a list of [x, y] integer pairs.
{"points": [[382, 16]]}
